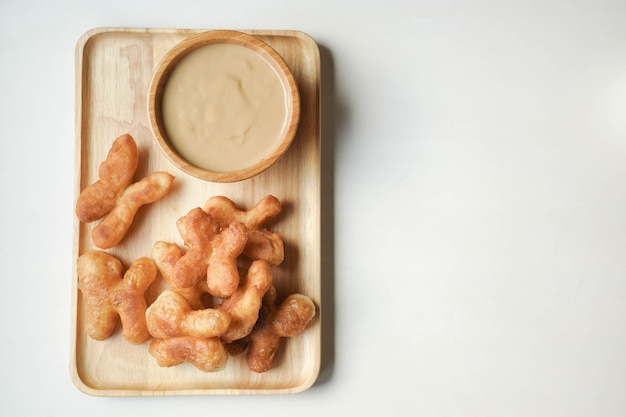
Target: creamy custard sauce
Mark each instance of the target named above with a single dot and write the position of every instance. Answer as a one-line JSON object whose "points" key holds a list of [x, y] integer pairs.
{"points": [[224, 107]]}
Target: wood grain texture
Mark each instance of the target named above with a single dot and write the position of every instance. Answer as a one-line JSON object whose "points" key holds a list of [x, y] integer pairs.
{"points": [[113, 71]]}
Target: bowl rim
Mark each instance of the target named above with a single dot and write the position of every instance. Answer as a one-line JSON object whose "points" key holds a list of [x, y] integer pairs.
{"points": [[175, 55]]}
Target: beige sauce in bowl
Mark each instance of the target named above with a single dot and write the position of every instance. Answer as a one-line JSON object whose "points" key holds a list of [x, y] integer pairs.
{"points": [[224, 107]]}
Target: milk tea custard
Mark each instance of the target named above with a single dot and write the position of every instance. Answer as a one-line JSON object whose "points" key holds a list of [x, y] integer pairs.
{"points": [[224, 107]]}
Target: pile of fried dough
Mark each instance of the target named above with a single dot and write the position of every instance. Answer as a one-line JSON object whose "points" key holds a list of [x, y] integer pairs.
{"points": [[227, 257]]}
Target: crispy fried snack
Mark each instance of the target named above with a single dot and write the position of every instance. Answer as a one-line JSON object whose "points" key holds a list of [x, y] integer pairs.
{"points": [[261, 244], [115, 173], [171, 316], [266, 315], [293, 315], [113, 195], [107, 295], [197, 229], [165, 256], [225, 211], [286, 320], [222, 273], [265, 245], [206, 354], [245, 303], [113, 228], [212, 254]]}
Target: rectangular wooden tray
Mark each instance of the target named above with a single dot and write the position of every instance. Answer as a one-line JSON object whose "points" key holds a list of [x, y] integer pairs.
{"points": [[113, 70]]}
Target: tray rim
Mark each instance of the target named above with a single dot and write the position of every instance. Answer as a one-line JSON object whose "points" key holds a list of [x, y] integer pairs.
{"points": [[80, 46]]}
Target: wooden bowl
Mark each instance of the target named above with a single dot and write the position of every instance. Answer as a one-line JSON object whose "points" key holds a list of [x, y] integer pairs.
{"points": [[162, 134]]}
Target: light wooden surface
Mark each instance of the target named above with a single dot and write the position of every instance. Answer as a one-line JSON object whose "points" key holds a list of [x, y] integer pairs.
{"points": [[113, 69]]}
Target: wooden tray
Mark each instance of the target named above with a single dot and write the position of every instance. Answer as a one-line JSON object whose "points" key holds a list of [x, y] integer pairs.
{"points": [[113, 71]]}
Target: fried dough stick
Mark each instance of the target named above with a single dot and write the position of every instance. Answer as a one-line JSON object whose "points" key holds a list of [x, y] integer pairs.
{"points": [[262, 244], [197, 229], [224, 210], [113, 228], [108, 295], [113, 195], [245, 303], [171, 316], [222, 274], [165, 256], [206, 354], [288, 319], [115, 173]]}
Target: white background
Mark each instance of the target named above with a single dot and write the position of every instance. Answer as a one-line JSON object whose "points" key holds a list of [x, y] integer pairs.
{"points": [[474, 205]]}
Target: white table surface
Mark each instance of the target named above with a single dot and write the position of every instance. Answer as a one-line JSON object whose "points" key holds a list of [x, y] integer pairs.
{"points": [[474, 204]]}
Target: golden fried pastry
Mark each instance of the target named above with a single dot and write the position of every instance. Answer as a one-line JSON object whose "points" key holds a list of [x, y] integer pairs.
{"points": [[171, 316], [197, 229], [222, 275], [265, 245], [113, 196], [209, 264], [115, 173], [165, 256], [225, 211], [289, 319], [262, 244], [266, 314], [245, 303], [293, 315], [115, 225], [108, 295], [206, 354], [266, 344]]}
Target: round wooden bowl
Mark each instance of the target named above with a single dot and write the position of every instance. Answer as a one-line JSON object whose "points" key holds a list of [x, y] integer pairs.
{"points": [[269, 55]]}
